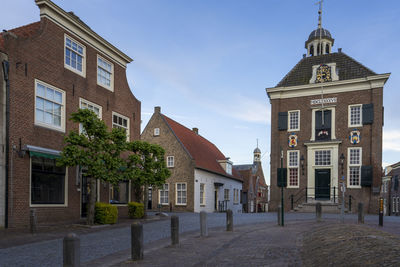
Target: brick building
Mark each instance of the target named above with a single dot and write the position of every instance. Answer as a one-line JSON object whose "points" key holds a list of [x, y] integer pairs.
{"points": [[202, 178], [255, 190], [49, 69], [390, 190], [326, 127]]}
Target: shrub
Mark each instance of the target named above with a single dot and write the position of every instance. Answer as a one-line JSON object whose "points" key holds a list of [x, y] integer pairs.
{"points": [[105, 213], [136, 210]]}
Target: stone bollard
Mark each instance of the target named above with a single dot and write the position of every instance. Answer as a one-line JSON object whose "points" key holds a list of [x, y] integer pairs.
{"points": [[136, 241], [32, 221], [174, 230], [279, 214], [318, 211], [203, 224], [360, 212], [229, 220], [71, 250]]}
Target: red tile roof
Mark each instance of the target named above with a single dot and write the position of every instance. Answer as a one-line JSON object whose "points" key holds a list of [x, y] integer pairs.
{"points": [[23, 31], [203, 152]]}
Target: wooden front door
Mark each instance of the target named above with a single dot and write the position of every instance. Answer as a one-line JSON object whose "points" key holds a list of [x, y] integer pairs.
{"points": [[322, 183]]}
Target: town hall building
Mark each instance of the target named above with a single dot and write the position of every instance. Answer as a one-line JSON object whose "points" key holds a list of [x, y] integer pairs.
{"points": [[326, 128]]}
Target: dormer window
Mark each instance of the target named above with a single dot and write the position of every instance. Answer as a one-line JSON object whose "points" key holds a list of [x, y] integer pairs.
{"points": [[229, 168]]}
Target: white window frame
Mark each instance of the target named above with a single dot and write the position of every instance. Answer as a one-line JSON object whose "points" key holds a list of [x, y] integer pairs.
{"points": [[111, 86], [322, 165], [156, 132], [48, 205], [202, 194], [83, 72], [349, 116], [164, 191], [176, 194], [298, 120], [172, 158], [293, 166], [333, 122], [87, 102], [226, 194], [124, 117], [63, 94], [353, 165]]}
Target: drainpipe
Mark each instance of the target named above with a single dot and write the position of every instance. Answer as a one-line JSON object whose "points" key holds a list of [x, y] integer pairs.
{"points": [[5, 73]]}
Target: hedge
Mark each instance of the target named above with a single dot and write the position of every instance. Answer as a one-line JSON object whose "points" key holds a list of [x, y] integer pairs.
{"points": [[105, 213], [136, 210]]}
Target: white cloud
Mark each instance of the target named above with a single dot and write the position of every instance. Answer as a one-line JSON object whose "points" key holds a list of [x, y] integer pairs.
{"points": [[391, 140]]}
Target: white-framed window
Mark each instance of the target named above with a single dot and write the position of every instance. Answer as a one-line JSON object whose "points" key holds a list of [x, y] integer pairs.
{"points": [[49, 106], [48, 182], [235, 196], [293, 168], [120, 194], [202, 194], [226, 194], [74, 56], [355, 115], [294, 120], [105, 73], [354, 160], [170, 161], [229, 168], [122, 122], [156, 131], [163, 194], [181, 194], [322, 158], [85, 104]]}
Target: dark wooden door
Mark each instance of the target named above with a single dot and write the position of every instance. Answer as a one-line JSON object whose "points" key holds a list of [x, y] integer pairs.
{"points": [[322, 183]]}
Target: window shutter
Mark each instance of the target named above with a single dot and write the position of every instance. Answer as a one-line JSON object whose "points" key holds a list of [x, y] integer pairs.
{"points": [[368, 113], [366, 175], [282, 177], [318, 120], [282, 121]]}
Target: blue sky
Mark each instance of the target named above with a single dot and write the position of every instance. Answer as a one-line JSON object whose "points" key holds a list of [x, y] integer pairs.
{"points": [[207, 63]]}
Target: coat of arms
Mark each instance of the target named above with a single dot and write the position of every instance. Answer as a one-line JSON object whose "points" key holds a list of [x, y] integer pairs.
{"points": [[355, 137], [292, 140]]}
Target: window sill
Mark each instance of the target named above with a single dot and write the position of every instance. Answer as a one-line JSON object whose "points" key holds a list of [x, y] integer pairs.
{"points": [[203, 205], [357, 126], [293, 130], [163, 204], [48, 205], [120, 205], [354, 187], [80, 73], [111, 89], [181, 205], [49, 127]]}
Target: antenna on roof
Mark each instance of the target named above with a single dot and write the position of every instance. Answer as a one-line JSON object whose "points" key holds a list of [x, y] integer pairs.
{"points": [[320, 25]]}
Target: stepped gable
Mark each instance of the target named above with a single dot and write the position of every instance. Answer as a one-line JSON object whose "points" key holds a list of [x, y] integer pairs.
{"points": [[23, 31], [205, 154], [347, 67]]}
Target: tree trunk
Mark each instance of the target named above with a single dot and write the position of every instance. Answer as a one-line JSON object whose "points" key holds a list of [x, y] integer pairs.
{"points": [[146, 195], [92, 201]]}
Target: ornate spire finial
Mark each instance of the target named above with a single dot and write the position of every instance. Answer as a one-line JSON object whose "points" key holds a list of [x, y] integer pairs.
{"points": [[320, 13]]}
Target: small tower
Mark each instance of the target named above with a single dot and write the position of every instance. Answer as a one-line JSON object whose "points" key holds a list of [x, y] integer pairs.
{"points": [[319, 41], [257, 155]]}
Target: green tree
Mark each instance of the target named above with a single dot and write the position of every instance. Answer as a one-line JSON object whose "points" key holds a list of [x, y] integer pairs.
{"points": [[146, 166], [97, 150]]}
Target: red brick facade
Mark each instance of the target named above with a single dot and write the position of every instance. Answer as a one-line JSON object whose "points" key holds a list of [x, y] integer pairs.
{"points": [[40, 55]]}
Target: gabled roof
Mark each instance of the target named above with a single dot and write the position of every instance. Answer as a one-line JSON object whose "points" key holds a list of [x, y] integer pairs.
{"points": [[23, 31], [347, 67], [204, 153]]}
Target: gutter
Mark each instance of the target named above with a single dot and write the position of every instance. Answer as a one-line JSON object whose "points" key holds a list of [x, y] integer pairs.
{"points": [[5, 73]]}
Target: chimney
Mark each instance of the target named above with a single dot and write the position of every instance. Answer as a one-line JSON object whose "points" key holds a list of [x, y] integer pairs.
{"points": [[157, 109], [339, 50], [196, 130]]}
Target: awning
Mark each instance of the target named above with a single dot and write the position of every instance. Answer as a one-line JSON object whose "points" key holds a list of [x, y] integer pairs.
{"points": [[35, 151]]}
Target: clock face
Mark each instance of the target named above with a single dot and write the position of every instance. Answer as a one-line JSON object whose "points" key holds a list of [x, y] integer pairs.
{"points": [[323, 74]]}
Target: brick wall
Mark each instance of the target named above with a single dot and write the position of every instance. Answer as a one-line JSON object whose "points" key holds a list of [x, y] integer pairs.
{"points": [[42, 57], [183, 170], [371, 141]]}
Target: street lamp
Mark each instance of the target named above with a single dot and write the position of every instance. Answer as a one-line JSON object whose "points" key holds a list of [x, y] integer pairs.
{"points": [[341, 161], [302, 164]]}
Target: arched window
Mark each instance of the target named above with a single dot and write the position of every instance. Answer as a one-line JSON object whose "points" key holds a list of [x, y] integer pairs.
{"points": [[311, 50], [319, 49], [327, 49]]}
